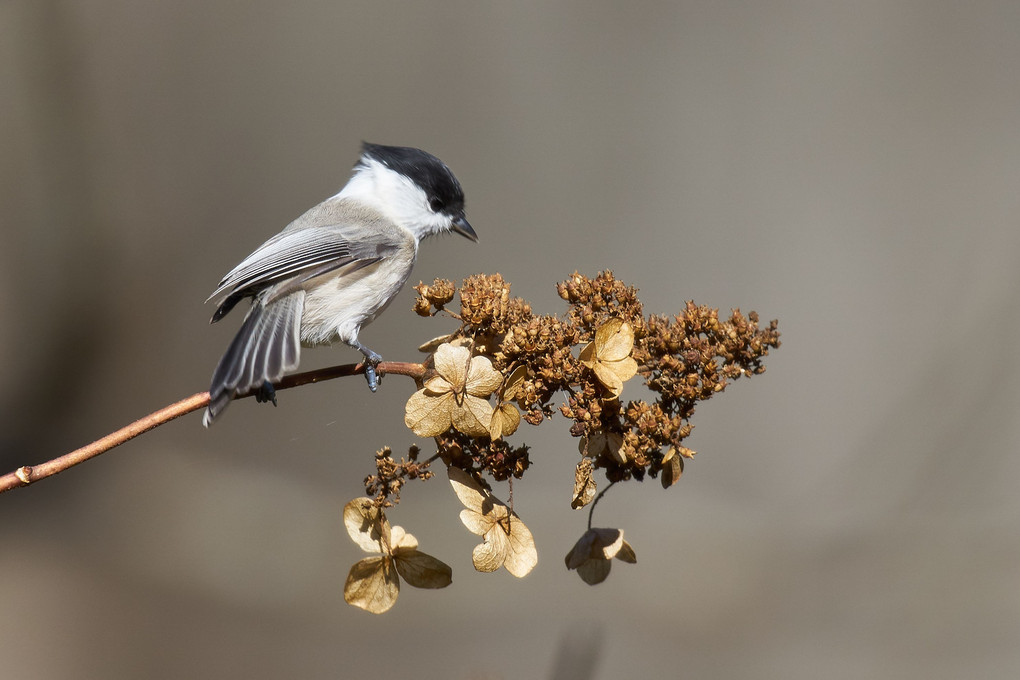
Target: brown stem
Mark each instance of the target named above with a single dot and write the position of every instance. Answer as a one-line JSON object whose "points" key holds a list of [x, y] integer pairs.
{"points": [[28, 474], [591, 511]]}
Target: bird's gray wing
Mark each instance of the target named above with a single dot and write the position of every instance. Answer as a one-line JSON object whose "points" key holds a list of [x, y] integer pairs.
{"points": [[306, 249]]}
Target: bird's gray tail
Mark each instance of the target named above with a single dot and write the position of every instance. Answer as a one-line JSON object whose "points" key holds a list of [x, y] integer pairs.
{"points": [[267, 347]]}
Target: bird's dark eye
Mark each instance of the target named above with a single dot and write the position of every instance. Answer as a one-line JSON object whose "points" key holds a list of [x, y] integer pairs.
{"points": [[437, 205]]}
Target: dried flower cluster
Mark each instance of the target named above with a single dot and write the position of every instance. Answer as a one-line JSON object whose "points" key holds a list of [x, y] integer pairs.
{"points": [[599, 344], [373, 583], [392, 475], [504, 364]]}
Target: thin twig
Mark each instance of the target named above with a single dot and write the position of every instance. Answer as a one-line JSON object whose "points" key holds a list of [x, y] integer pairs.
{"points": [[28, 474], [591, 511]]}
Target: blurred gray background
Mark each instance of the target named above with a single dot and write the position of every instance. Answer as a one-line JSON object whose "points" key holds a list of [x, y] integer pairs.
{"points": [[849, 168]]}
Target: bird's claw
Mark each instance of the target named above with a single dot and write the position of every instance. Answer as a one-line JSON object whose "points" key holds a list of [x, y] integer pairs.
{"points": [[266, 392], [372, 359], [371, 376]]}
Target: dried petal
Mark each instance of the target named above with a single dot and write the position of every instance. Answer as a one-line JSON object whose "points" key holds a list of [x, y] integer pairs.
{"points": [[468, 490], [505, 420], [482, 379], [581, 551], [584, 486], [614, 340], [473, 416], [505, 417], [433, 344], [401, 540], [372, 584], [475, 521], [624, 368], [438, 385], [607, 543], [513, 383], [452, 363], [672, 468], [367, 525], [490, 554], [594, 572], [522, 556], [608, 377], [428, 415], [421, 570], [627, 554]]}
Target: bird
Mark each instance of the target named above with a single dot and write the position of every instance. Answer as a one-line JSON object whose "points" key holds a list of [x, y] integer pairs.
{"points": [[333, 270]]}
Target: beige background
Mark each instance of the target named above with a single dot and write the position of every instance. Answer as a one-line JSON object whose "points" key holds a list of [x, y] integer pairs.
{"points": [[850, 168]]}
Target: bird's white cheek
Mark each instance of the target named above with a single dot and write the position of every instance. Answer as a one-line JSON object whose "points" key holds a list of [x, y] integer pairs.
{"points": [[395, 196]]}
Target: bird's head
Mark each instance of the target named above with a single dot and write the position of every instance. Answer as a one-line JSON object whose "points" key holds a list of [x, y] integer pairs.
{"points": [[413, 188]]}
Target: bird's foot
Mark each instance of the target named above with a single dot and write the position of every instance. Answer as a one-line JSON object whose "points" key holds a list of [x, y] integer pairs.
{"points": [[372, 359], [266, 392], [371, 376]]}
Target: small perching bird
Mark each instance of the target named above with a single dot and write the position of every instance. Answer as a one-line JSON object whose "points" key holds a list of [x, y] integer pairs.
{"points": [[333, 270]]}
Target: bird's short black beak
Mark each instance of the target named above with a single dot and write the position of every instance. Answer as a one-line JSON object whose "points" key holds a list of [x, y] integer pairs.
{"points": [[461, 226]]}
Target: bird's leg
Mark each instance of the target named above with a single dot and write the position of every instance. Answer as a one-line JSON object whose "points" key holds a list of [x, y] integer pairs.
{"points": [[266, 392], [372, 360]]}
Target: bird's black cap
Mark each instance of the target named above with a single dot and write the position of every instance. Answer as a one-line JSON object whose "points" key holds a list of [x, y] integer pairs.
{"points": [[431, 174]]}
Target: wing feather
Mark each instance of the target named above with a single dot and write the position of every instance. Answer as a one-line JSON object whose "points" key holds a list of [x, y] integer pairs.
{"points": [[332, 235]]}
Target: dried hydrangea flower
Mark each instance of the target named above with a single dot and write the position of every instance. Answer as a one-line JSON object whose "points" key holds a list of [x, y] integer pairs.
{"points": [[507, 542], [592, 555], [609, 355], [372, 584], [456, 396], [505, 417]]}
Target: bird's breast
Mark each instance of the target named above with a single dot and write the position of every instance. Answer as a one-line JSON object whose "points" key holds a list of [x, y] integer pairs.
{"points": [[339, 304]]}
